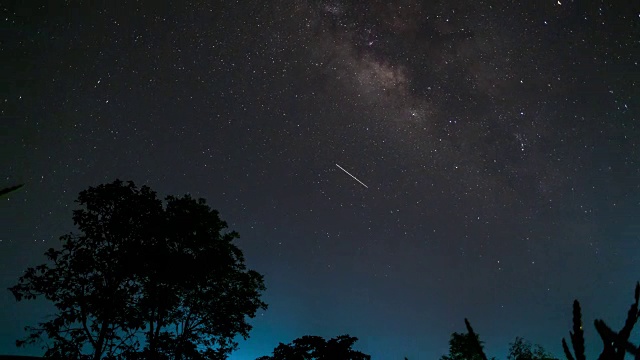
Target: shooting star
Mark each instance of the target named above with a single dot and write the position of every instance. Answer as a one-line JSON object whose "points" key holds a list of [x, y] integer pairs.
{"points": [[355, 178]]}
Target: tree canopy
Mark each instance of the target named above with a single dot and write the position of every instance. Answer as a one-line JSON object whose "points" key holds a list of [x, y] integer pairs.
{"points": [[520, 349], [317, 348], [461, 347], [143, 279], [465, 346]]}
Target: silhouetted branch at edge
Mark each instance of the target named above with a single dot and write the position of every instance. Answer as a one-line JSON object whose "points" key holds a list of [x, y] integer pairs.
{"points": [[10, 189], [474, 337], [615, 344]]}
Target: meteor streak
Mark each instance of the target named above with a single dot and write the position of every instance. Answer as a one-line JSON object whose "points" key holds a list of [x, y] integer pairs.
{"points": [[355, 178]]}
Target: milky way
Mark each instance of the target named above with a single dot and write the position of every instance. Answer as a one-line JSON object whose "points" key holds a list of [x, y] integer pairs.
{"points": [[437, 83]]}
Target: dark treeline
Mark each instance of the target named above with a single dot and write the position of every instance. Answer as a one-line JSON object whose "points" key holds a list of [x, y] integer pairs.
{"points": [[147, 279]]}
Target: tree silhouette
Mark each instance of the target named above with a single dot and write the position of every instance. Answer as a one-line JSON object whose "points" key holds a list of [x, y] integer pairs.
{"points": [[317, 348], [465, 346], [168, 274], [461, 348], [520, 349]]}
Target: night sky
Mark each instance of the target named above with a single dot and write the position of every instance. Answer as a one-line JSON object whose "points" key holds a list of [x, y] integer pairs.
{"points": [[497, 145]]}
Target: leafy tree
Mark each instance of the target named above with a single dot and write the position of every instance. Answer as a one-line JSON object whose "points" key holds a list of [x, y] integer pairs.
{"points": [[197, 292], [317, 348], [520, 349], [465, 346], [137, 267], [461, 348]]}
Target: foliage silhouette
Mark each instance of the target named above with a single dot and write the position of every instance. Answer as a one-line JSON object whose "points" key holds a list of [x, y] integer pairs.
{"points": [[577, 335], [317, 348], [465, 346], [169, 274], [615, 344], [475, 340], [520, 349]]}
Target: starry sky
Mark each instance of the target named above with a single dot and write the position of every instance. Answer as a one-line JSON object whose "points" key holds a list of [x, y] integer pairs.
{"points": [[496, 148]]}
